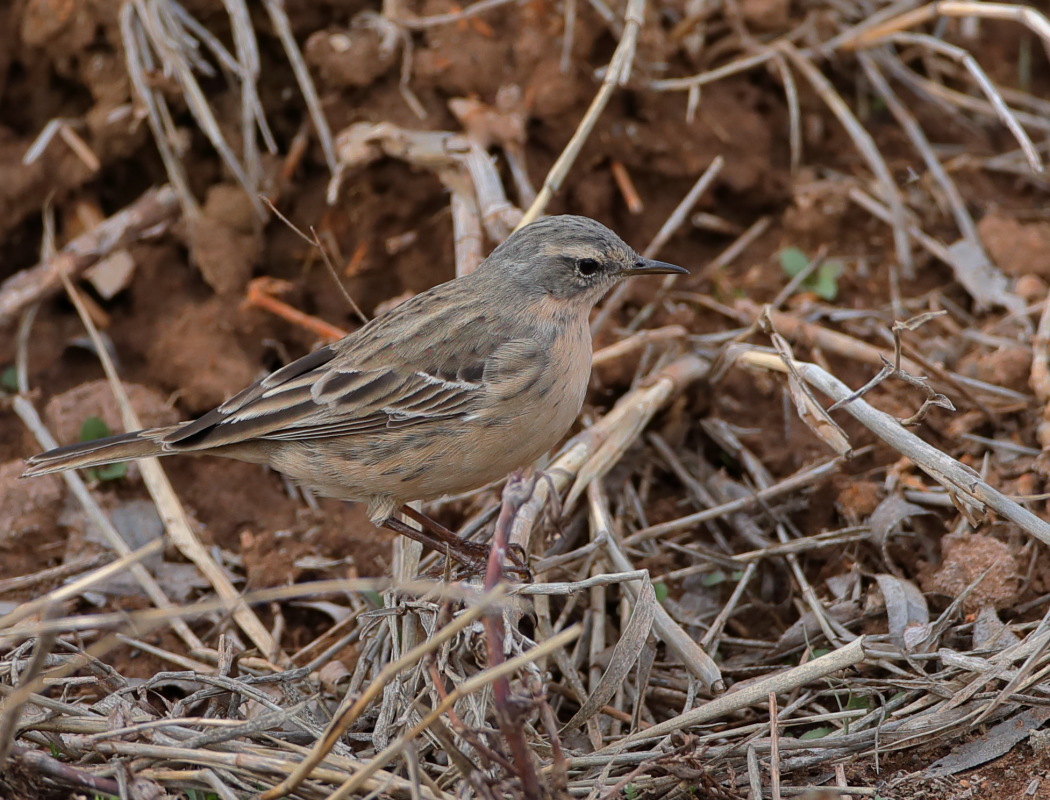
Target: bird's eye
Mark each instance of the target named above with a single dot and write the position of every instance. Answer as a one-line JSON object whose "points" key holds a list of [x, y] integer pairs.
{"points": [[587, 267]]}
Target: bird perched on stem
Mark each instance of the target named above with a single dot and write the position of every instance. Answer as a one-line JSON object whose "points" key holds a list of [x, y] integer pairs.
{"points": [[440, 395]]}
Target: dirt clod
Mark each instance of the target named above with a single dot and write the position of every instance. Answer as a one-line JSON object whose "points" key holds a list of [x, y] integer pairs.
{"points": [[966, 557], [26, 506], [197, 353], [349, 58], [225, 240], [65, 413], [1016, 248], [1008, 366], [766, 14]]}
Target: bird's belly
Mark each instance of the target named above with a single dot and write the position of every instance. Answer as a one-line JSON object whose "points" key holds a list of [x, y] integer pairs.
{"points": [[427, 462], [485, 450]]}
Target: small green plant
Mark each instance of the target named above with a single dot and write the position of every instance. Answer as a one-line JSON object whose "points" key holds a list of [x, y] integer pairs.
{"points": [[713, 578], [855, 703], [859, 703], [94, 428], [9, 380], [661, 591], [817, 733], [824, 282], [630, 791]]}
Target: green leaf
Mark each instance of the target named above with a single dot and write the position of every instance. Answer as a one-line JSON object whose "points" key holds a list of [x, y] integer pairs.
{"points": [[93, 428], [713, 578], [817, 733], [9, 380], [859, 703], [630, 791], [793, 260], [661, 591], [111, 472], [825, 283]]}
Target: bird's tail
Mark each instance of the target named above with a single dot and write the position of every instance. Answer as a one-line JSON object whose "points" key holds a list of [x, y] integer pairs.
{"points": [[109, 450]]}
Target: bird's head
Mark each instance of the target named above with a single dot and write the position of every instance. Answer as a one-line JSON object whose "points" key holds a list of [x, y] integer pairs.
{"points": [[569, 259]]}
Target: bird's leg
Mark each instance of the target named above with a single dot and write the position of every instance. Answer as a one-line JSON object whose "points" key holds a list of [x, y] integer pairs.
{"points": [[478, 553], [471, 560], [469, 554], [443, 534]]}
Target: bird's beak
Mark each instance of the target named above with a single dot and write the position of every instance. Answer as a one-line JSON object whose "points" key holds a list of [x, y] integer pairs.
{"points": [[646, 266]]}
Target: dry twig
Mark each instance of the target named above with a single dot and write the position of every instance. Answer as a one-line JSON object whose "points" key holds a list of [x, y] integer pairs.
{"points": [[149, 216]]}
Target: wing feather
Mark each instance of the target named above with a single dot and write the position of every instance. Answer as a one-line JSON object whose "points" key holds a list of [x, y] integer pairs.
{"points": [[322, 401], [373, 380]]}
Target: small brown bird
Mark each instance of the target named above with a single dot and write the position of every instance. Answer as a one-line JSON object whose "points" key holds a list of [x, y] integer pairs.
{"points": [[444, 393]]}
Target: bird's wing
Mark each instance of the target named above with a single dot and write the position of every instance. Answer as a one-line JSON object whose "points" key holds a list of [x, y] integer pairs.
{"points": [[330, 393]]}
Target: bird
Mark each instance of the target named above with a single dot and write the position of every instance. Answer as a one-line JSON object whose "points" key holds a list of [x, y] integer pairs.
{"points": [[447, 392]]}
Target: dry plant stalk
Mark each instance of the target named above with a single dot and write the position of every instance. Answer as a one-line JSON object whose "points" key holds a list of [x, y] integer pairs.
{"points": [[479, 200], [170, 510], [508, 712], [616, 74], [353, 707], [957, 478], [149, 216]]}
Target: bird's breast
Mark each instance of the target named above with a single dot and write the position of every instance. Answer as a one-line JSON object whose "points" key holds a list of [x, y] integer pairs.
{"points": [[535, 400]]}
